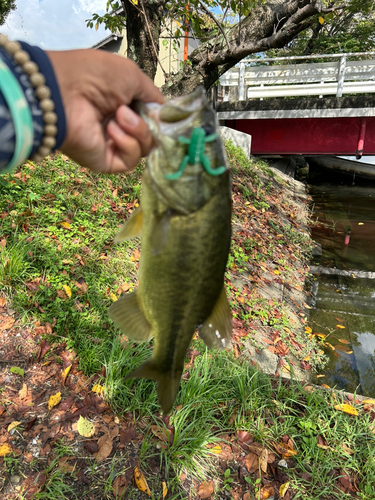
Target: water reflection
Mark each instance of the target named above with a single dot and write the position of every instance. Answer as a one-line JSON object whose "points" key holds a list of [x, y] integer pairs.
{"points": [[343, 295]]}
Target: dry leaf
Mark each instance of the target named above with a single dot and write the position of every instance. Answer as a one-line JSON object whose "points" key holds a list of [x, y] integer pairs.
{"points": [[165, 489], [105, 447], [13, 425], [347, 449], [85, 428], [266, 492], [54, 400], [205, 490], [6, 323], [66, 225], [22, 393], [113, 297], [251, 462], [347, 409], [285, 450], [368, 402], [340, 326], [343, 341], [65, 374], [119, 486], [2, 302], [141, 482], [216, 449], [5, 449], [263, 460], [283, 489]]}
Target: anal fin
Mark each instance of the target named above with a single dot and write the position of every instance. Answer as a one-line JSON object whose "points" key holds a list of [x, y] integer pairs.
{"points": [[217, 329], [132, 227], [129, 317], [168, 382]]}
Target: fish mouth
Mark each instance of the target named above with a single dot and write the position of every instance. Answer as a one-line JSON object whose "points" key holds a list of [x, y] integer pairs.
{"points": [[178, 115]]}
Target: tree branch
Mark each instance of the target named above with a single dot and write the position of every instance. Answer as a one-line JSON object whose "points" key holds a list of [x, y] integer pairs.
{"points": [[209, 13]]}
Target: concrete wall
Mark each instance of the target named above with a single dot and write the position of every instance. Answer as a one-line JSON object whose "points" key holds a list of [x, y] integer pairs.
{"points": [[238, 138]]}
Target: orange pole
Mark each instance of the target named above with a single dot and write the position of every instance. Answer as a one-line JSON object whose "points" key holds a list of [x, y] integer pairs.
{"points": [[186, 41]]}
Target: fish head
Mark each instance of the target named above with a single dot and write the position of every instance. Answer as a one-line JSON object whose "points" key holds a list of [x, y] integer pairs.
{"points": [[188, 162]]}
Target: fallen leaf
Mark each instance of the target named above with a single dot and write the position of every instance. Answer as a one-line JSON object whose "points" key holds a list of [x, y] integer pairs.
{"points": [[360, 223], [266, 492], [68, 291], [105, 447], [66, 225], [326, 386], [347, 449], [141, 482], [340, 326], [320, 376], [6, 323], [13, 425], [135, 256], [308, 329], [346, 409], [85, 428], [22, 393], [283, 489], [216, 449], [368, 402], [263, 460], [99, 389], [339, 319], [252, 462], [5, 449], [54, 400], [329, 345], [119, 486], [285, 450], [65, 374], [2, 302], [343, 341], [17, 371], [127, 435], [165, 489], [205, 490], [113, 297]]}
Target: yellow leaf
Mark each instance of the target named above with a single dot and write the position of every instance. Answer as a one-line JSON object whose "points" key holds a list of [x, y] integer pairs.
{"points": [[67, 290], [325, 447], [360, 223], [46, 363], [141, 482], [113, 297], [343, 341], [23, 392], [321, 20], [283, 489], [340, 326], [320, 376], [13, 425], [326, 386], [306, 358], [99, 389], [135, 2], [65, 374], [5, 449], [165, 489], [97, 26], [85, 428], [276, 271], [308, 329], [66, 225], [346, 409], [330, 346], [349, 352], [54, 400], [216, 449], [368, 402]]}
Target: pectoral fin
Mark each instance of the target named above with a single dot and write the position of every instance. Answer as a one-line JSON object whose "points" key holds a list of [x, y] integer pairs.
{"points": [[217, 329], [132, 227], [160, 232], [168, 382], [128, 316]]}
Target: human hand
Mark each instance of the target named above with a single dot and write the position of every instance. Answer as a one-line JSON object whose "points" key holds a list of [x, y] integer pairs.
{"points": [[97, 87]]}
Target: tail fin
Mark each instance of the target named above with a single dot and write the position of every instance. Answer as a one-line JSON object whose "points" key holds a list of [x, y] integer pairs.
{"points": [[168, 383]]}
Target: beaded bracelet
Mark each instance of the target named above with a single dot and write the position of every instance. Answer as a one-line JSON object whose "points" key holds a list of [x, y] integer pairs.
{"points": [[42, 92]]}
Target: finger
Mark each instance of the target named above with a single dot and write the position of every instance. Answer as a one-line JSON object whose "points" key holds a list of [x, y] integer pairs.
{"points": [[128, 148], [133, 124]]}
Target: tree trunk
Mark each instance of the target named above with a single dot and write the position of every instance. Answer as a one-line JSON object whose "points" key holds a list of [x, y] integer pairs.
{"points": [[143, 33], [272, 25]]}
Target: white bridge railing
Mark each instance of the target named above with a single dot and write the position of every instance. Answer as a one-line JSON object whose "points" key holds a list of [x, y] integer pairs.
{"points": [[289, 79]]}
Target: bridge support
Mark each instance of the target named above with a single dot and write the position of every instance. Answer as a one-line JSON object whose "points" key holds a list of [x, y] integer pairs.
{"points": [[361, 139]]}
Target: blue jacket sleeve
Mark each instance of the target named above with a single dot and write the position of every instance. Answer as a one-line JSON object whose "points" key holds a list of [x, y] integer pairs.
{"points": [[7, 138]]}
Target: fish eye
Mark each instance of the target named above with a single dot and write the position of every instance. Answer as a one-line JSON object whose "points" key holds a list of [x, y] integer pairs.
{"points": [[208, 129]]}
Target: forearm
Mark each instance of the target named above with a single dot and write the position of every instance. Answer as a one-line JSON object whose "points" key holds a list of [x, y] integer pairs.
{"points": [[31, 93]]}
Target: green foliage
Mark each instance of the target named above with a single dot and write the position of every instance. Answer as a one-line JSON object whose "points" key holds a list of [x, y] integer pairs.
{"points": [[6, 6]]}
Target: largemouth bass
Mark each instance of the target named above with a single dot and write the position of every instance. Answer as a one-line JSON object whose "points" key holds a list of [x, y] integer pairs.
{"points": [[184, 220]]}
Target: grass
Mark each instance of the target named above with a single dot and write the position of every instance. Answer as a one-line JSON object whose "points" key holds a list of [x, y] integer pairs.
{"points": [[59, 265]]}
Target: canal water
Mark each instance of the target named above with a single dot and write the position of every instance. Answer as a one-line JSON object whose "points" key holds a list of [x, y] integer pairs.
{"points": [[343, 283]]}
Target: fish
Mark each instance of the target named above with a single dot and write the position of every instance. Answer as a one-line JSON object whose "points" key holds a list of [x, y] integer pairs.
{"points": [[184, 220]]}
